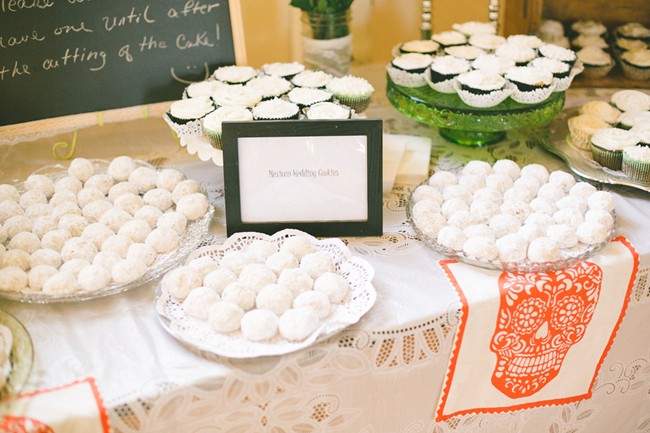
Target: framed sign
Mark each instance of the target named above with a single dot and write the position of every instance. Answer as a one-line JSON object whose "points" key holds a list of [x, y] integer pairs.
{"points": [[323, 177]]}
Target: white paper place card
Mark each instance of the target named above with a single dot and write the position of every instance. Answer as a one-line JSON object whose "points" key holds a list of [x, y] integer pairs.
{"points": [[414, 167], [392, 154]]}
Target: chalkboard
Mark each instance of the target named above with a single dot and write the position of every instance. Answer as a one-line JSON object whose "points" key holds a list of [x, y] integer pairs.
{"points": [[63, 57]]}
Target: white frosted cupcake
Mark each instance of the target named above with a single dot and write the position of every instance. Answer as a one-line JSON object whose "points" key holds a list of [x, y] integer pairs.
{"points": [[184, 116], [443, 70], [596, 61], [550, 28], [311, 78], [582, 127], [212, 122], [636, 163], [532, 85], [482, 89], [632, 31], [471, 28], [493, 63], [275, 109], [631, 100], [234, 74], [306, 96], [355, 92], [636, 64], [236, 96], [488, 42], [607, 146], [419, 46], [582, 41], [589, 27], [269, 86], [467, 52], [449, 38], [408, 69], [601, 109], [521, 54], [630, 119], [328, 110], [622, 44], [557, 68], [202, 88], [282, 69], [559, 53], [530, 41]]}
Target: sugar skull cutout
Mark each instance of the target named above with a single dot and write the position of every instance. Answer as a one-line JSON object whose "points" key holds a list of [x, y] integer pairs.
{"points": [[541, 316], [14, 424]]}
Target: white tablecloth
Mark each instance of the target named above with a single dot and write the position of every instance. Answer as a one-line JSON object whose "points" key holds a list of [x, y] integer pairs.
{"points": [[382, 375]]}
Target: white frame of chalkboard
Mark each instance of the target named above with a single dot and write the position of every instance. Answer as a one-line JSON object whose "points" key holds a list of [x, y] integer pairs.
{"points": [[29, 131]]}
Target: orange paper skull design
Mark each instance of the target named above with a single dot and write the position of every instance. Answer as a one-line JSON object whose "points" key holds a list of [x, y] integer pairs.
{"points": [[541, 316], [14, 424]]}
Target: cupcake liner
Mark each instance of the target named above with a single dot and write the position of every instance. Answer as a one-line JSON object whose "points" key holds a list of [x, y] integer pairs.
{"points": [[637, 170], [406, 79], [532, 96], [190, 128], [483, 100], [446, 86], [607, 158], [635, 72], [214, 137], [358, 103], [562, 84], [579, 137]]}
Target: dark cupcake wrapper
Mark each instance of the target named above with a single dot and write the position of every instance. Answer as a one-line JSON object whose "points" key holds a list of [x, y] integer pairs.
{"points": [[607, 158], [638, 170], [411, 71], [523, 87], [478, 91], [302, 105], [292, 117], [437, 77], [430, 53]]}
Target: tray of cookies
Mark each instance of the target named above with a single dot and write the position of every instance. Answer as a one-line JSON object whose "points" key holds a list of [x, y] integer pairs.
{"points": [[93, 228], [260, 295]]}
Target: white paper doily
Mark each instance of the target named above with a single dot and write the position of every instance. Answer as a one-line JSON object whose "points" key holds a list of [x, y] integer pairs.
{"points": [[199, 335]]}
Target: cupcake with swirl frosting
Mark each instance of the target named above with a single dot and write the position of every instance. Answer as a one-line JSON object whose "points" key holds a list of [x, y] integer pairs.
{"points": [[184, 116], [443, 70], [355, 92], [607, 146], [212, 122], [636, 64], [596, 61], [636, 163]]}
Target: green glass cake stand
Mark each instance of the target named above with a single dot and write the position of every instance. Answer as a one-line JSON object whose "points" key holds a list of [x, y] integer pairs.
{"points": [[467, 125]]}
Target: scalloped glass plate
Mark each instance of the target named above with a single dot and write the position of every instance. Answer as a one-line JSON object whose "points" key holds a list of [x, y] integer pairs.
{"points": [[21, 356], [570, 256], [164, 262], [580, 161], [199, 335]]}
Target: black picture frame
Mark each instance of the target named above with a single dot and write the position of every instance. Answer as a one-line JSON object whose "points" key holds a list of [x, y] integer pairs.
{"points": [[240, 140]]}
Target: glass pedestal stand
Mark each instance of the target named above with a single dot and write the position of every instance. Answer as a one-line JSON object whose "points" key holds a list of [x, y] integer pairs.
{"points": [[466, 125]]}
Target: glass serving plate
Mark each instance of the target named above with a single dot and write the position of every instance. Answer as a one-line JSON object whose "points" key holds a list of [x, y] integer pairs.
{"points": [[188, 242], [467, 125], [198, 334], [21, 356], [569, 256], [580, 161]]}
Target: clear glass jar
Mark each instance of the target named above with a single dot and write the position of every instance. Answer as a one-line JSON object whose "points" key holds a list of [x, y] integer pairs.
{"points": [[327, 42]]}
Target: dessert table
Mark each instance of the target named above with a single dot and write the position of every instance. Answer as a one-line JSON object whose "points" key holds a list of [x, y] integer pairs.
{"points": [[383, 374]]}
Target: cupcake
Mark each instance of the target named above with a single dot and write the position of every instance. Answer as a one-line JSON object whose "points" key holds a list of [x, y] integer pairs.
{"points": [[234, 74], [602, 110], [557, 68], [597, 62], [306, 96], [607, 146], [558, 53], [488, 42], [482, 89], [471, 28], [236, 95], [275, 109], [636, 64], [413, 63], [630, 119], [355, 92], [636, 163], [632, 31], [419, 46], [530, 41], [520, 54], [328, 110], [631, 100], [443, 70], [449, 38], [466, 52], [493, 63], [281, 69], [550, 28], [184, 116], [622, 45], [582, 41], [212, 122], [589, 27], [310, 78], [643, 133], [202, 88], [582, 127], [269, 86], [531, 85]]}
